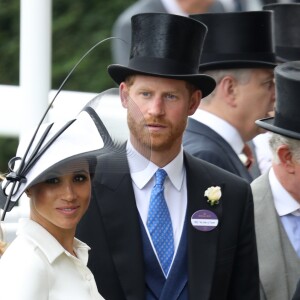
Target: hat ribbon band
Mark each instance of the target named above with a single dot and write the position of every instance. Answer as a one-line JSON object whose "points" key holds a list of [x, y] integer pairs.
{"points": [[257, 56], [286, 123], [158, 65]]}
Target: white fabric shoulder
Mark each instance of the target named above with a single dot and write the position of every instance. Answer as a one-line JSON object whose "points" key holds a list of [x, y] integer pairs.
{"points": [[23, 272]]}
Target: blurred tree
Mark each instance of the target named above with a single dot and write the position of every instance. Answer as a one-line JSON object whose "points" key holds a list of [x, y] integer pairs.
{"points": [[8, 146], [77, 26], [9, 41]]}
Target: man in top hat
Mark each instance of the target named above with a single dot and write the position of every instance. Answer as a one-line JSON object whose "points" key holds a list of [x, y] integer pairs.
{"points": [[276, 193], [239, 54], [169, 226], [286, 30], [122, 26], [287, 48]]}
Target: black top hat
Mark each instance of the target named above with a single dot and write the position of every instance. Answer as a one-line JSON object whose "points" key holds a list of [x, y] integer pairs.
{"points": [[165, 45], [287, 30], [286, 120], [237, 40]]}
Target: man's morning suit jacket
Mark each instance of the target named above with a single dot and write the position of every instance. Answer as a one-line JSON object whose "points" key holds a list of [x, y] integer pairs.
{"points": [[297, 292], [222, 264], [279, 264], [203, 142]]}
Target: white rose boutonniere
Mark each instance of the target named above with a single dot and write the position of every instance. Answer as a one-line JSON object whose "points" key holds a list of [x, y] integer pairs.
{"points": [[243, 158], [213, 195]]}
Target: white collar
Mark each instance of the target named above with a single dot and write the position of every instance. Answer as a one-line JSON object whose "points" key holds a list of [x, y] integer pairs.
{"points": [[284, 203], [141, 176], [222, 127], [47, 242], [172, 7]]}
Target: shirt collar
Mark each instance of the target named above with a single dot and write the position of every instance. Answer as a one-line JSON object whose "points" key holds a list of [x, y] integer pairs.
{"points": [[284, 203], [222, 127], [141, 176], [47, 242]]}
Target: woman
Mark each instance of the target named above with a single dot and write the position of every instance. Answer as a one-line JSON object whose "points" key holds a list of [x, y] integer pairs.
{"points": [[46, 261], [3, 245]]}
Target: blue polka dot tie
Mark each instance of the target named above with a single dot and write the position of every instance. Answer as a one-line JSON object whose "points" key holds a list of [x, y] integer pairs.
{"points": [[159, 223]]}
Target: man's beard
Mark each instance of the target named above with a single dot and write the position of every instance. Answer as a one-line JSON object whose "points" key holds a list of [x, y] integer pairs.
{"points": [[154, 141]]}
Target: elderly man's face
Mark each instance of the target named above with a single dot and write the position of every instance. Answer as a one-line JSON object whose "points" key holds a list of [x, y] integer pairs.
{"points": [[287, 170], [255, 100]]}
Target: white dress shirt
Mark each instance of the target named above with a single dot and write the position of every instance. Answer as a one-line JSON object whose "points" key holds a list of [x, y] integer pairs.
{"points": [[288, 210], [263, 151], [36, 267], [175, 190], [223, 128]]}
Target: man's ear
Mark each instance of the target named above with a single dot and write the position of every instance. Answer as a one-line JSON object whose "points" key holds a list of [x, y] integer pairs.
{"points": [[229, 86], [286, 158], [124, 92], [194, 102]]}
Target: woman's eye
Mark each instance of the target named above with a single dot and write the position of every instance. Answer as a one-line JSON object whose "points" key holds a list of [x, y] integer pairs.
{"points": [[52, 180], [80, 178]]}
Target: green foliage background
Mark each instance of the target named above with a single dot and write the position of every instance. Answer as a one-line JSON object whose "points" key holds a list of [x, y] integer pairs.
{"points": [[76, 27]]}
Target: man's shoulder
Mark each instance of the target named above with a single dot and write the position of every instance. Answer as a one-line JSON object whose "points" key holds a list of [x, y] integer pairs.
{"points": [[261, 190], [218, 173], [196, 133], [260, 183], [203, 142]]}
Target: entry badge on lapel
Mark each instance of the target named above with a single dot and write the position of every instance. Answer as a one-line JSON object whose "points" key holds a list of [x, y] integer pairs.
{"points": [[204, 220]]}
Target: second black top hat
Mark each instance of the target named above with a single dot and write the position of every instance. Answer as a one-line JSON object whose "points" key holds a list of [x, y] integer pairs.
{"points": [[287, 30], [166, 45], [238, 40], [286, 120]]}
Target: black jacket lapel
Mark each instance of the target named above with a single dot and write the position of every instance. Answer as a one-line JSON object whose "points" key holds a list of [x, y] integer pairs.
{"points": [[202, 246], [117, 205]]}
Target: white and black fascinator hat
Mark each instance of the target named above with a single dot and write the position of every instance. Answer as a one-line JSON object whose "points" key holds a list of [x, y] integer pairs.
{"points": [[51, 145], [54, 144], [100, 128]]}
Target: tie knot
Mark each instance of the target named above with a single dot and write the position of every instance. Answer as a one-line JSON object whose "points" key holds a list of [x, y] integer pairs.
{"points": [[249, 158], [160, 176]]}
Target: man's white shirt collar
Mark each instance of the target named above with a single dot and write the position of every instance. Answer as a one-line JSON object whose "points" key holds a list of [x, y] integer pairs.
{"points": [[142, 175], [223, 128], [175, 188], [284, 203]]}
